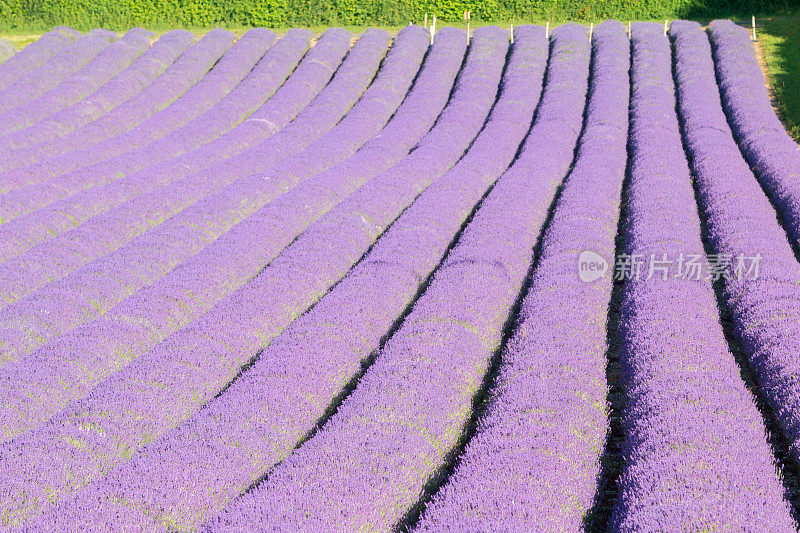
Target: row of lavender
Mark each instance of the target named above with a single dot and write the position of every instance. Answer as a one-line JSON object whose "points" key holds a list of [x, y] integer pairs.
{"points": [[454, 126], [194, 282], [297, 263], [124, 337], [693, 451], [119, 226], [521, 123], [445, 59], [545, 419], [415, 398], [187, 231], [364, 63]]}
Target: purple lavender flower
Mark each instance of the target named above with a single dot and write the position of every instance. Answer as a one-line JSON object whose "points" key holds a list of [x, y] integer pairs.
{"points": [[437, 151], [199, 224], [534, 459], [80, 84], [142, 72], [263, 284], [49, 74], [694, 447], [186, 232], [367, 465], [36, 53]]}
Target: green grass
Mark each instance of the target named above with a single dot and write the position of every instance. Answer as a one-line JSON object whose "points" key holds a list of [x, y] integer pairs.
{"points": [[780, 38]]}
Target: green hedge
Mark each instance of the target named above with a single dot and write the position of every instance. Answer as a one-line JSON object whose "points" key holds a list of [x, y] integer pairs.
{"points": [[118, 14]]}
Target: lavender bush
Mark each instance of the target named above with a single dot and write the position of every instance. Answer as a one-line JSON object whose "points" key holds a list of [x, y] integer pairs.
{"points": [[24, 232], [185, 237], [740, 219], [142, 72], [234, 346], [142, 206], [70, 59], [694, 443], [323, 283], [369, 462], [225, 76], [168, 89], [35, 54], [766, 146], [213, 215], [516, 87], [80, 84], [534, 459]]}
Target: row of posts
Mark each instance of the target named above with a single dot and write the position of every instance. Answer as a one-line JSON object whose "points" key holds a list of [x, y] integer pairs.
{"points": [[432, 28]]}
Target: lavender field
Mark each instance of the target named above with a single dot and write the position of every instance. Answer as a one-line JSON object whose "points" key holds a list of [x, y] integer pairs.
{"points": [[512, 280]]}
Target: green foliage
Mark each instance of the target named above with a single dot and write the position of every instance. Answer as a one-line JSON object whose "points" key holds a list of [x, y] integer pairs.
{"points": [[15, 12], [117, 14]]}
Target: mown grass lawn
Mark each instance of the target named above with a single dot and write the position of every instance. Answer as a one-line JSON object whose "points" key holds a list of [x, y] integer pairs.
{"points": [[780, 37]]}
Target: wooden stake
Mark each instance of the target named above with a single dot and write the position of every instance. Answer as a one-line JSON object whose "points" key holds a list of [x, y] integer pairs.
{"points": [[666, 27], [754, 28], [426, 21], [466, 17], [629, 29], [547, 30], [433, 28], [511, 31], [591, 30]]}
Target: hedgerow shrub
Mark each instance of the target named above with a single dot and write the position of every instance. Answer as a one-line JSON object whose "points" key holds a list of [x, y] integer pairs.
{"points": [[84, 14]]}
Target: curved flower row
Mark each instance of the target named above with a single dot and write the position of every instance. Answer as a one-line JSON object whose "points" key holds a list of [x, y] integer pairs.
{"points": [[56, 156], [694, 447], [765, 311], [36, 53], [128, 83], [54, 258], [535, 457], [417, 113], [188, 231], [369, 463], [228, 262], [70, 199], [470, 85], [763, 140], [226, 75], [233, 331], [49, 74], [741, 220], [79, 84]]}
